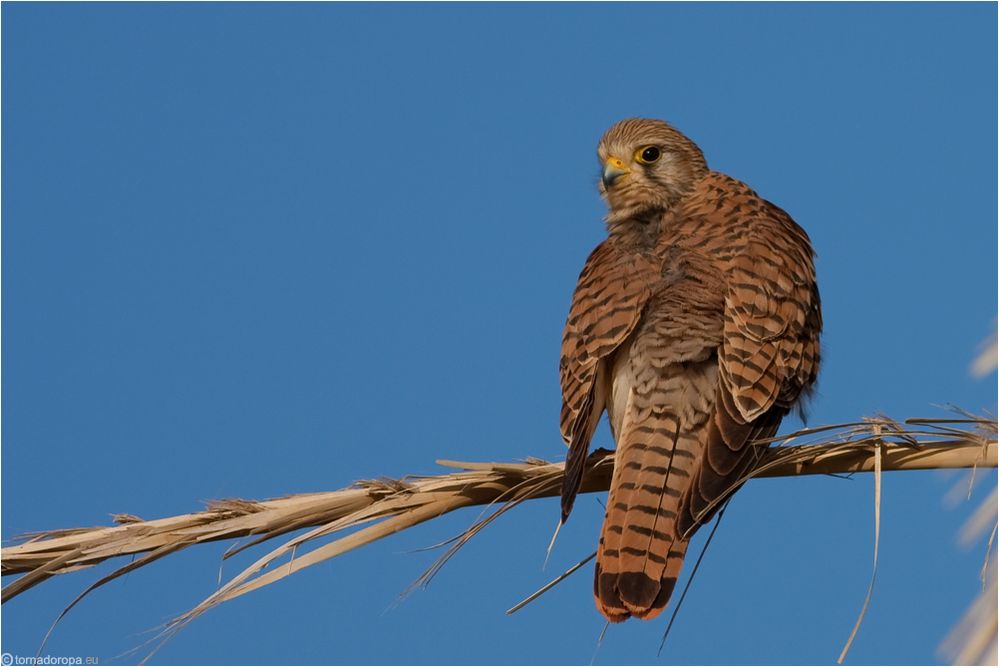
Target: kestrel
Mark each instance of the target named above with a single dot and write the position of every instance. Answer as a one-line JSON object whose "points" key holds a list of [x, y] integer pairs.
{"points": [[696, 326]]}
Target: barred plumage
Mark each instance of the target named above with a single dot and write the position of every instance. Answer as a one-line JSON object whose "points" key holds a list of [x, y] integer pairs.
{"points": [[695, 325]]}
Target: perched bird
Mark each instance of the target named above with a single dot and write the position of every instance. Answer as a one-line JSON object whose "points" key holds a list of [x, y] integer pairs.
{"points": [[696, 326]]}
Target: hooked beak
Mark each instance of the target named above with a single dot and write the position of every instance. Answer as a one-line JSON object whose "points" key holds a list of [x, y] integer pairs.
{"points": [[613, 169]]}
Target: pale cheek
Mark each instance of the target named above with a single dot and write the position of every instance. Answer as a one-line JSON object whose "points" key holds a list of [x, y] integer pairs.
{"points": [[670, 171]]}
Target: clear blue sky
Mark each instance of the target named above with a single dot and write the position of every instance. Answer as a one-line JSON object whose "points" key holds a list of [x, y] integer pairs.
{"points": [[253, 250]]}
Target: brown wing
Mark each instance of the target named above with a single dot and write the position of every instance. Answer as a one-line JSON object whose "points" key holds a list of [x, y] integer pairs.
{"points": [[770, 350], [610, 295]]}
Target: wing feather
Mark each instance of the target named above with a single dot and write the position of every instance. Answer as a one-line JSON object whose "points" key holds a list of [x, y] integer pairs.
{"points": [[610, 296], [770, 346]]}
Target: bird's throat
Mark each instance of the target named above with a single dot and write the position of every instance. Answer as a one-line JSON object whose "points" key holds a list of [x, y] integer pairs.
{"points": [[635, 226]]}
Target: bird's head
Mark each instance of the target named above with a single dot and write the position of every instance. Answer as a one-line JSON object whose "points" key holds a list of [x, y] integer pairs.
{"points": [[646, 165]]}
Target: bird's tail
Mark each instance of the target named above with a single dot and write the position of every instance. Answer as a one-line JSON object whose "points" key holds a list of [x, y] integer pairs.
{"points": [[641, 553]]}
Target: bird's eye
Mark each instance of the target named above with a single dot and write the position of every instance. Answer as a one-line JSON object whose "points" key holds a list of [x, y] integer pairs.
{"points": [[648, 155]]}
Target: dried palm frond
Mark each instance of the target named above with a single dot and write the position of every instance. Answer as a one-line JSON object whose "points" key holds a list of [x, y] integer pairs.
{"points": [[986, 360], [389, 506], [973, 640]]}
